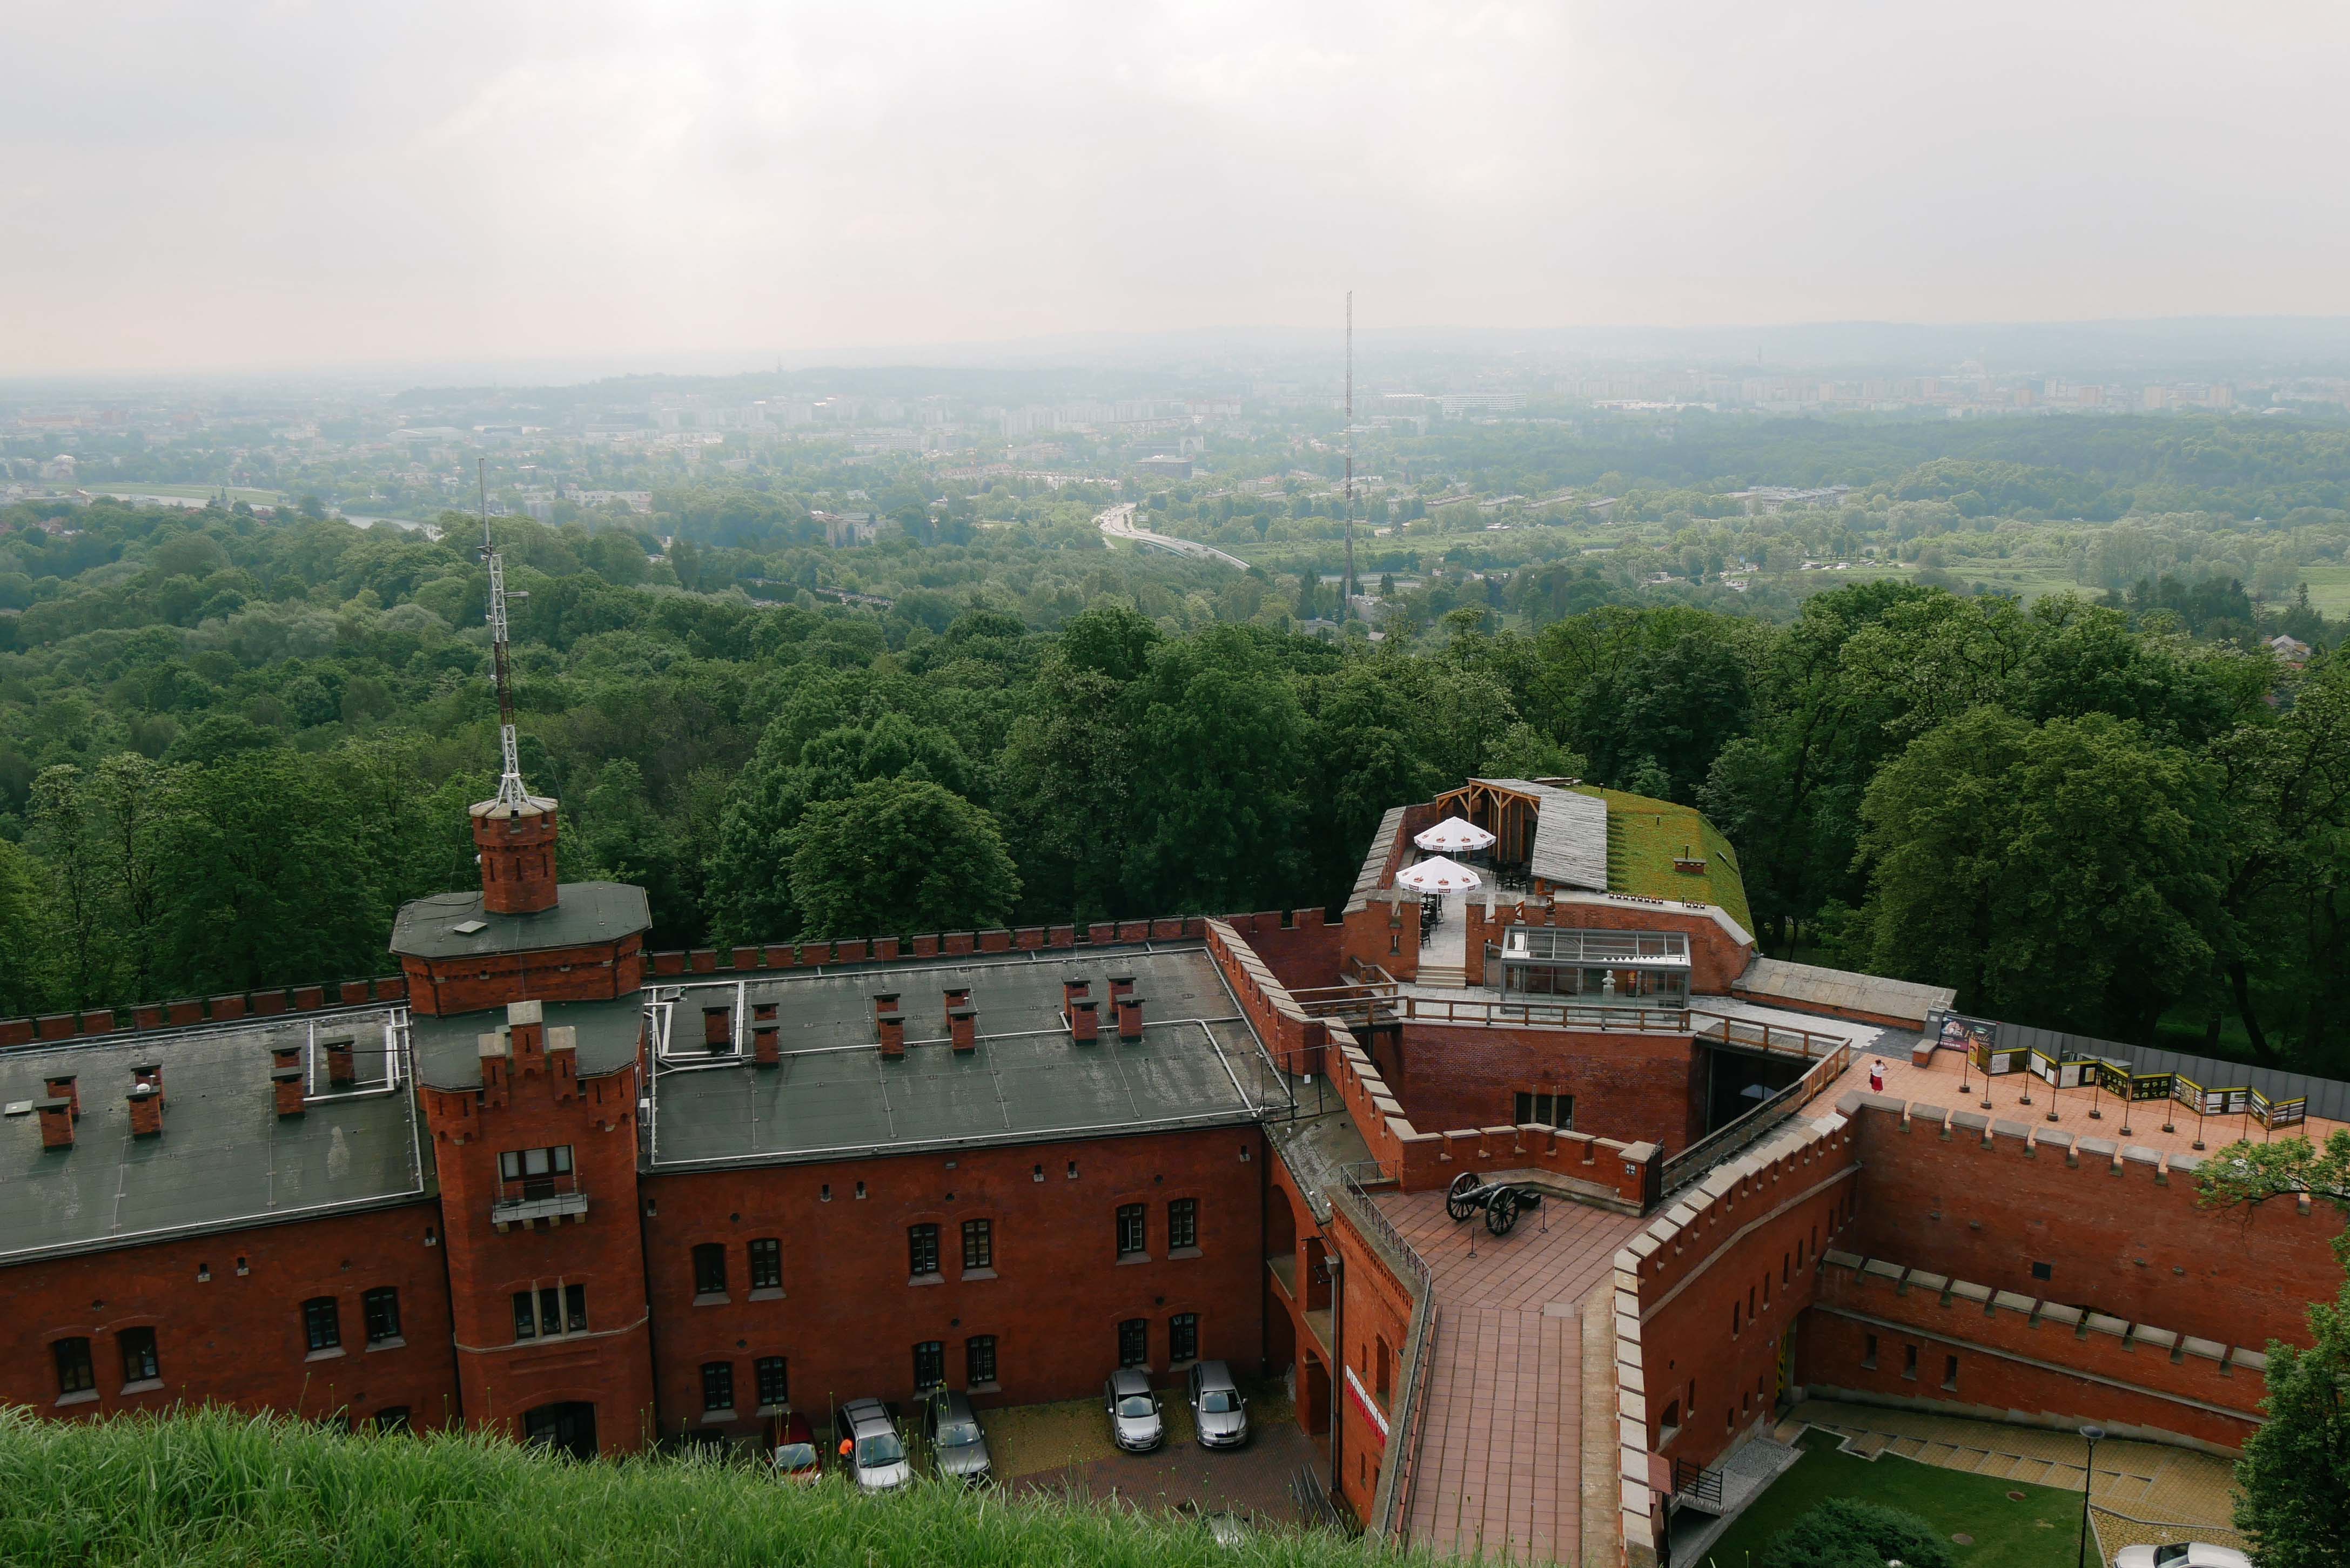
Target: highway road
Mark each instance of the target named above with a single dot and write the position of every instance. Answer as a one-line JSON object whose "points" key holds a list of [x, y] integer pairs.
{"points": [[1117, 523]]}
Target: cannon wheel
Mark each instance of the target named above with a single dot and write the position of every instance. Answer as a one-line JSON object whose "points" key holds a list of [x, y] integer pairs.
{"points": [[1501, 1210], [1460, 1199]]}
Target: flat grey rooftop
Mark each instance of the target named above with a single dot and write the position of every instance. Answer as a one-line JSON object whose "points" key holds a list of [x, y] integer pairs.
{"points": [[1803, 984], [448, 1055], [1197, 1064], [225, 1159], [582, 913]]}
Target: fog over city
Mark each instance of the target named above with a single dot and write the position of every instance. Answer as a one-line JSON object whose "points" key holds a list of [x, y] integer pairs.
{"points": [[230, 187]]}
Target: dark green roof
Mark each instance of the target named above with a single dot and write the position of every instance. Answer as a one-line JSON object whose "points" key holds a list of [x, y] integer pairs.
{"points": [[605, 1033], [583, 913]]}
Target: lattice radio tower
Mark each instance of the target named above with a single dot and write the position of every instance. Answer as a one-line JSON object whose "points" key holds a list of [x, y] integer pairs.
{"points": [[512, 793], [1346, 596]]}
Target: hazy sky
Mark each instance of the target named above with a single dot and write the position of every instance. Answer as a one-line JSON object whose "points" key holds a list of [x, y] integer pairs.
{"points": [[227, 185]]}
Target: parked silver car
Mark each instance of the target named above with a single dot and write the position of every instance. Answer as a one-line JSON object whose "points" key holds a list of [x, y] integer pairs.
{"points": [[1135, 1423], [877, 1455], [2181, 1554], [958, 1446], [1218, 1414]]}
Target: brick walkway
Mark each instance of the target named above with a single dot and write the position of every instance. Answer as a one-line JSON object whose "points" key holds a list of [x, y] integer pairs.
{"points": [[1501, 1452]]}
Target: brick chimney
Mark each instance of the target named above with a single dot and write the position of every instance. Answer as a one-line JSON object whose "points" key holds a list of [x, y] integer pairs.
{"points": [[1129, 1016], [146, 1111], [149, 1075], [892, 1028], [57, 1123], [766, 1049], [1119, 984], [1085, 1024], [884, 1002], [518, 850], [963, 1027], [1072, 993], [957, 996], [60, 1086], [285, 1084], [339, 1071]]}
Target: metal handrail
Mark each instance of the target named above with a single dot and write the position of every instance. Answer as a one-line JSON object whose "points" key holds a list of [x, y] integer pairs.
{"points": [[1419, 1346], [1711, 1150]]}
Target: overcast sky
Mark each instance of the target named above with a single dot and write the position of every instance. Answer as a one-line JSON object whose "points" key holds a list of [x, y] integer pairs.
{"points": [[223, 186]]}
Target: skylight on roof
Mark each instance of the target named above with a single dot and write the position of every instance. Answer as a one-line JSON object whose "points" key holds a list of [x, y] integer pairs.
{"points": [[467, 927]]}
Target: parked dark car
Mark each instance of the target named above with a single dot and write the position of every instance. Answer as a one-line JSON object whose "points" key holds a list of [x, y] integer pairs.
{"points": [[792, 1451], [958, 1444]]}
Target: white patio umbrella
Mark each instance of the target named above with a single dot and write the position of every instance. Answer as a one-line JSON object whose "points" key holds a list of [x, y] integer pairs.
{"points": [[1437, 875], [1453, 835]]}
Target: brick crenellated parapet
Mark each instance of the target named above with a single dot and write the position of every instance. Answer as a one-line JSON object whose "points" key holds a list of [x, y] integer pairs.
{"points": [[232, 1007], [813, 953]]}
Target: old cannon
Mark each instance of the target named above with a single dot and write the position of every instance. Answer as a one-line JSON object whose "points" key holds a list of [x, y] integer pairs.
{"points": [[1500, 1201]]}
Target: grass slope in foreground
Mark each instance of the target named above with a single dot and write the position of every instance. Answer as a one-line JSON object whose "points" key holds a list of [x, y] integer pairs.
{"points": [[218, 1487]]}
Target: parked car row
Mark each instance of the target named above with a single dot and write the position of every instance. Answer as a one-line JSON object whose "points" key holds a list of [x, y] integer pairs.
{"points": [[871, 1451]]}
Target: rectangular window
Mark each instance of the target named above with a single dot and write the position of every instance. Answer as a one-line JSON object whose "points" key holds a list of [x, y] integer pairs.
{"points": [[1546, 1110], [775, 1382], [322, 1321], [1130, 1229], [525, 1313], [1385, 1358], [75, 1374], [922, 1249], [1909, 1362], [392, 1418], [1183, 1337], [1182, 1224], [930, 1366], [1868, 1351], [535, 1172], [766, 1263], [709, 1269], [575, 1309], [381, 1308], [139, 1363], [979, 1244], [550, 1310], [1734, 1320], [979, 1360], [1133, 1341], [1950, 1372], [717, 1386]]}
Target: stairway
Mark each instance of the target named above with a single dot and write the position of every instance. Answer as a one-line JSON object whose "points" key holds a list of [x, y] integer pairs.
{"points": [[1451, 975]]}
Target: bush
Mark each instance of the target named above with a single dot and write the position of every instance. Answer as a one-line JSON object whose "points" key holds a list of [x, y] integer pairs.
{"points": [[1843, 1534]]}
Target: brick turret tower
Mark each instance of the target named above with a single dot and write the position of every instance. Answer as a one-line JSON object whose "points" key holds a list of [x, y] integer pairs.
{"points": [[516, 840]]}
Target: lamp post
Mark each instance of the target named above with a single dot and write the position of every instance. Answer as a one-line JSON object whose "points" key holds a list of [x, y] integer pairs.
{"points": [[2088, 1480]]}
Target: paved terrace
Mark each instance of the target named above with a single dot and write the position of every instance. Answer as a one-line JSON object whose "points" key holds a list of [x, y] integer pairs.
{"points": [[1939, 1085], [1501, 1445]]}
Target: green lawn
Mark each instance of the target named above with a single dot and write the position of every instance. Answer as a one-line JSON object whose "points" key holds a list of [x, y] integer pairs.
{"points": [[2041, 1531], [2329, 588]]}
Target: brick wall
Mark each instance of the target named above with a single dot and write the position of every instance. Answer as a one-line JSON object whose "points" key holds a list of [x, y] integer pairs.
{"points": [[1373, 1322], [591, 972], [849, 1314], [1905, 1336], [1706, 1296], [1629, 1087], [1384, 933], [226, 1312], [2124, 1237], [1305, 954]]}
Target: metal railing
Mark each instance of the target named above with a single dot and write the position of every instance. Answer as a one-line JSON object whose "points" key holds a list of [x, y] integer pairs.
{"points": [[1696, 1487], [1385, 1004], [538, 1198], [1722, 1143], [1393, 1499]]}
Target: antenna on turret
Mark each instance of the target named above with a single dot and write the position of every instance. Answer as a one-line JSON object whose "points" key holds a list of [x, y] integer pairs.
{"points": [[510, 790], [1346, 594]]}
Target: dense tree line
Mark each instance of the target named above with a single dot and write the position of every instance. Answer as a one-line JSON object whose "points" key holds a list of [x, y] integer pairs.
{"points": [[229, 749]]}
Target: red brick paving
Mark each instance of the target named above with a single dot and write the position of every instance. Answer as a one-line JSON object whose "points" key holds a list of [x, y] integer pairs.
{"points": [[1501, 1450]]}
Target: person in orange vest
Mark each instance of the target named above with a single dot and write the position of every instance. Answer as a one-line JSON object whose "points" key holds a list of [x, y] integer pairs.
{"points": [[847, 1447]]}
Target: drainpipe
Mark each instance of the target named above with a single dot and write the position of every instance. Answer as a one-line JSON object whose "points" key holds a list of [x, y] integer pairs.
{"points": [[1337, 1355]]}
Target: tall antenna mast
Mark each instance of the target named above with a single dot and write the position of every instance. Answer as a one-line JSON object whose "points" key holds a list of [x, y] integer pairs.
{"points": [[1347, 597], [511, 791]]}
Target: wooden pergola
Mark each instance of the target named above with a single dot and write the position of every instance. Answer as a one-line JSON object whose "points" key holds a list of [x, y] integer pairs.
{"points": [[1509, 814]]}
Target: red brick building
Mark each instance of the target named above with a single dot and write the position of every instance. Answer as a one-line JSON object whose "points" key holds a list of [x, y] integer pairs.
{"points": [[547, 1182]]}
